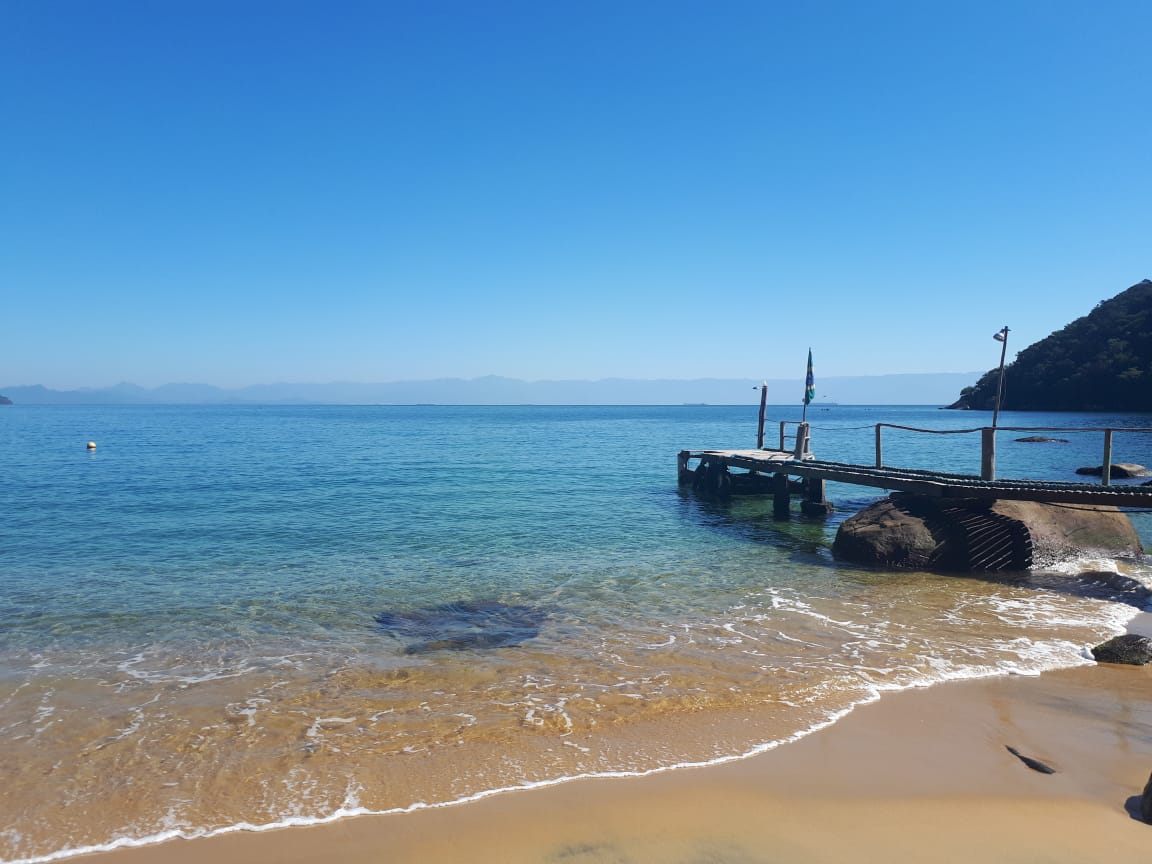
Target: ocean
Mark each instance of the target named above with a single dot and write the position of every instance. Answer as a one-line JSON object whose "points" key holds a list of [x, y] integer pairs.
{"points": [[236, 617]]}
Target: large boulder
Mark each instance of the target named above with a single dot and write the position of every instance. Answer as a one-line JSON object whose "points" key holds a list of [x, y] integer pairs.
{"points": [[888, 533], [1060, 532], [921, 533], [1130, 649]]}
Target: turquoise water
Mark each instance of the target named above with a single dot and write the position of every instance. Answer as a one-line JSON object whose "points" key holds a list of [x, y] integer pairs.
{"points": [[255, 616]]}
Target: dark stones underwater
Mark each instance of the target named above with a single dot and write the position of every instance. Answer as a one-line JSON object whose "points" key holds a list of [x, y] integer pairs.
{"points": [[463, 626]]}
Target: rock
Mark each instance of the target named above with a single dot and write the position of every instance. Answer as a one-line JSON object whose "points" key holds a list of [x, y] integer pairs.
{"points": [[1062, 533], [1119, 470], [1040, 439], [1146, 802], [1129, 649], [888, 534], [1034, 764], [919, 533], [1114, 587], [463, 626]]}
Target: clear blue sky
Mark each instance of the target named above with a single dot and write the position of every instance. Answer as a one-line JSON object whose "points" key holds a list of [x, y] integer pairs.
{"points": [[245, 192]]}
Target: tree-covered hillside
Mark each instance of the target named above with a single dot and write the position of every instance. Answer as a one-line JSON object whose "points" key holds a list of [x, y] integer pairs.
{"points": [[1101, 362]]}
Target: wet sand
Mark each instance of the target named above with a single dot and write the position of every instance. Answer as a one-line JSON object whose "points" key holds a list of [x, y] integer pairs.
{"points": [[921, 775]]}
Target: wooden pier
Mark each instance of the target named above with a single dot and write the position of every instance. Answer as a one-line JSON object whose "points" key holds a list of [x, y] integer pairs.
{"points": [[774, 469]]}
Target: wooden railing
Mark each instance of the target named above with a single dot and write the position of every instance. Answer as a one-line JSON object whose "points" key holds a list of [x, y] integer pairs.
{"points": [[988, 442]]}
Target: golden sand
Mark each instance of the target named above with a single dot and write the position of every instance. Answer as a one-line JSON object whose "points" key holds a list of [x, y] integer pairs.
{"points": [[919, 776]]}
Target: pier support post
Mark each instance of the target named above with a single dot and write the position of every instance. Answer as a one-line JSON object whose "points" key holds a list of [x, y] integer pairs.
{"points": [[814, 503], [781, 497], [988, 453], [683, 475]]}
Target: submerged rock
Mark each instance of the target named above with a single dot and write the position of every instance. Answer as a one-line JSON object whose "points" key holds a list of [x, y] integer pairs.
{"points": [[1120, 470], [1114, 587], [463, 626], [1041, 439], [1129, 649]]}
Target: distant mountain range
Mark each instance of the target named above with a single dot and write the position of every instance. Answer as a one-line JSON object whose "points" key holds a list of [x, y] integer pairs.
{"points": [[904, 389], [1100, 362]]}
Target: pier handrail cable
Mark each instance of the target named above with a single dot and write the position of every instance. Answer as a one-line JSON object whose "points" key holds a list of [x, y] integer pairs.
{"points": [[988, 442]]}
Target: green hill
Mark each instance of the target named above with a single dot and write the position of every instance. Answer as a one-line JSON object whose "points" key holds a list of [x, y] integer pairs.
{"points": [[1101, 362]]}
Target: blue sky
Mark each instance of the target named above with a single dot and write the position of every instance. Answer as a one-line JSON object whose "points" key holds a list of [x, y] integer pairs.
{"points": [[247, 192]]}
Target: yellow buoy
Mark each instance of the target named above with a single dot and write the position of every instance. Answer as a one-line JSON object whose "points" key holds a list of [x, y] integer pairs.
{"points": [[91, 445]]}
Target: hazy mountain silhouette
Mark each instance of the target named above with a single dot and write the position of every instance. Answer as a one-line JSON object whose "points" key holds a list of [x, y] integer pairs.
{"points": [[903, 389]]}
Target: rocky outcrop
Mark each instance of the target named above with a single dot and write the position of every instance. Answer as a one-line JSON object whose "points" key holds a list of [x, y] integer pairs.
{"points": [[920, 533], [1120, 470], [1060, 532], [1041, 439], [1101, 362], [1129, 649]]}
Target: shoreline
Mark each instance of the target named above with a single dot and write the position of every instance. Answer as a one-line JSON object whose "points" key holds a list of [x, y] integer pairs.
{"points": [[920, 774]]}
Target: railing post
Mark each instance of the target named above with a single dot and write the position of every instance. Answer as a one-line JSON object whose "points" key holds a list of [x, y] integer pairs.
{"points": [[988, 453], [879, 449], [782, 422], [801, 440], [763, 408], [1106, 475]]}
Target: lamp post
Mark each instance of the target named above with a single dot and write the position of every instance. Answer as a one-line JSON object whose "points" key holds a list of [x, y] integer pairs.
{"points": [[1000, 336]]}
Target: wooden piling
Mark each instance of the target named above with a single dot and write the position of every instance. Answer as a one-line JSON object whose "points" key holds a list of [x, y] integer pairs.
{"points": [[814, 503], [781, 496], [683, 474]]}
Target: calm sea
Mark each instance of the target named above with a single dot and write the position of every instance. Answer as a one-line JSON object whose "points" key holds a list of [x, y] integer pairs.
{"points": [[234, 617]]}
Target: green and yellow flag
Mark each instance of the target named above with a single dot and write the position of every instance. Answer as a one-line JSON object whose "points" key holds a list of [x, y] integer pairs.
{"points": [[809, 382]]}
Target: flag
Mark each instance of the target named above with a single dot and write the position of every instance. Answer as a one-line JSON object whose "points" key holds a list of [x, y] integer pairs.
{"points": [[809, 382]]}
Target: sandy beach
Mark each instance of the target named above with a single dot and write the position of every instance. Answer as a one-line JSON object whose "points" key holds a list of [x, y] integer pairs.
{"points": [[921, 775]]}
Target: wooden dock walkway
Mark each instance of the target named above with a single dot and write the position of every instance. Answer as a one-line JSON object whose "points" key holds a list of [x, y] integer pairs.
{"points": [[931, 483], [770, 470]]}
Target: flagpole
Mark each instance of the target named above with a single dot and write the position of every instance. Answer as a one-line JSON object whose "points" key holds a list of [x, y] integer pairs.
{"points": [[809, 389]]}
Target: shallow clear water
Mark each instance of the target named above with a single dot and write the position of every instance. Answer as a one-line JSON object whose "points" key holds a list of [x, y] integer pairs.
{"points": [[265, 615]]}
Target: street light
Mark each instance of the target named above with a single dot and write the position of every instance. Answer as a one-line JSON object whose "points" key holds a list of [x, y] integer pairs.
{"points": [[1000, 336]]}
